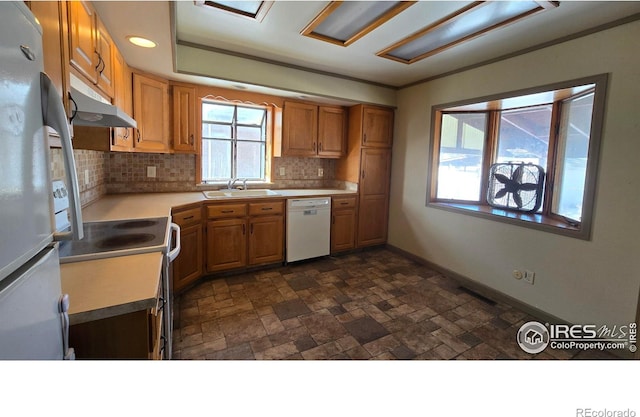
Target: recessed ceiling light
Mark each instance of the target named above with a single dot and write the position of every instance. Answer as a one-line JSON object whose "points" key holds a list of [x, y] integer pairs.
{"points": [[140, 41]]}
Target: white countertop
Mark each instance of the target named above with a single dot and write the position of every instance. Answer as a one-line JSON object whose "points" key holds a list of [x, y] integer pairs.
{"points": [[145, 205]]}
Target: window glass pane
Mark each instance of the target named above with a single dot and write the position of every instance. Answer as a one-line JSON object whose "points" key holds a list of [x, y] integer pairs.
{"points": [[249, 133], [250, 116], [250, 160], [212, 112], [524, 135], [462, 140], [211, 130], [216, 160], [573, 151]]}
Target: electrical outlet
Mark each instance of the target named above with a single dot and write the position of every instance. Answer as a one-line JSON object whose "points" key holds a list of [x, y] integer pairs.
{"points": [[320, 172], [529, 277], [517, 274], [86, 176], [282, 171], [151, 172]]}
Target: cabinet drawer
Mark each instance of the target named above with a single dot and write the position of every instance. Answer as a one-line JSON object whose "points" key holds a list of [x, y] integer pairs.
{"points": [[272, 207], [343, 202], [187, 217], [226, 210]]}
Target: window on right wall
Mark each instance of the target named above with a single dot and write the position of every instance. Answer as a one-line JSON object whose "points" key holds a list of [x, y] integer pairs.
{"points": [[555, 129]]}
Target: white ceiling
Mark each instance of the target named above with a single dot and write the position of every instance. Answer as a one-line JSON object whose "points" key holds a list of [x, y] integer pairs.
{"points": [[277, 38]]}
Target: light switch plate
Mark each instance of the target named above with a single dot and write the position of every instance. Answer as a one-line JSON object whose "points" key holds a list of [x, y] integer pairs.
{"points": [[151, 172], [282, 171]]}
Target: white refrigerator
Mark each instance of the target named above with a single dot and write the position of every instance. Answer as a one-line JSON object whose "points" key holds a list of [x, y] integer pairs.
{"points": [[33, 310]]}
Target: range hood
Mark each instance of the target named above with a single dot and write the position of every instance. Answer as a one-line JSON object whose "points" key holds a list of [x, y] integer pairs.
{"points": [[93, 110]]}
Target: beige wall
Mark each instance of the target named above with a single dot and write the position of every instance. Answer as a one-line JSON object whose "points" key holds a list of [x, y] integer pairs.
{"points": [[579, 281]]}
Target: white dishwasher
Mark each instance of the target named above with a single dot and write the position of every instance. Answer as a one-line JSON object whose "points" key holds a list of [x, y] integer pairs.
{"points": [[308, 228]]}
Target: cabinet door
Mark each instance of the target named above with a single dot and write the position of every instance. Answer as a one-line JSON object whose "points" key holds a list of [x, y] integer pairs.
{"points": [[377, 127], [52, 18], [184, 119], [151, 111], [375, 171], [122, 136], [332, 123], [104, 67], [343, 230], [300, 129], [374, 196], [82, 39], [266, 239], [187, 267], [226, 244], [372, 220]]}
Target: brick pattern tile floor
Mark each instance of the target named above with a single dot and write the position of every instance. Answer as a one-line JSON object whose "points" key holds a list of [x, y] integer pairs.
{"points": [[374, 304]]}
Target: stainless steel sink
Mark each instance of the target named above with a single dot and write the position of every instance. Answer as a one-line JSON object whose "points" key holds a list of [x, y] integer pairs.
{"points": [[239, 193]]}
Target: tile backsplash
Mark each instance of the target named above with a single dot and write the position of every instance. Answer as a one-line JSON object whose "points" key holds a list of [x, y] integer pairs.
{"points": [[91, 165], [119, 172]]}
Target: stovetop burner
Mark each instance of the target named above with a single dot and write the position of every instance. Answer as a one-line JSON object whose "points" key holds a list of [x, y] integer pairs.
{"points": [[134, 224], [117, 238], [124, 241]]}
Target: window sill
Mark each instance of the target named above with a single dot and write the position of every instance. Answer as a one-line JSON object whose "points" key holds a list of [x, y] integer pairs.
{"points": [[210, 186], [529, 220]]}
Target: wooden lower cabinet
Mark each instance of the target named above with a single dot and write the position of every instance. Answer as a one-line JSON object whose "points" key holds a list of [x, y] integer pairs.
{"points": [[266, 237], [136, 335], [247, 234], [372, 220], [226, 244], [343, 223], [188, 266]]}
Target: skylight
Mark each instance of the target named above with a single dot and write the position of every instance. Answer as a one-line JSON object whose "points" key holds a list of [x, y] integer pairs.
{"points": [[251, 9], [465, 24], [344, 22]]}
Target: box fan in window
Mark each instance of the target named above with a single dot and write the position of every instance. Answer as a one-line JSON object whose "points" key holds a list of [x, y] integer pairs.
{"points": [[516, 186]]}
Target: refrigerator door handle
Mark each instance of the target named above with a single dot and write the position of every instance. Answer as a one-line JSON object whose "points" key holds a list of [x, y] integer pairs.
{"points": [[54, 115], [69, 353]]}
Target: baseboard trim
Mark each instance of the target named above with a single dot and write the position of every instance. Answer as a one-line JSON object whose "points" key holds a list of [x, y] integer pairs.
{"points": [[492, 293]]}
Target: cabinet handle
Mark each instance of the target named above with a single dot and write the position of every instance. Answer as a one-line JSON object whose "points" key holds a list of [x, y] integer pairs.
{"points": [[363, 174], [364, 137], [138, 131], [227, 211], [314, 146], [244, 229], [187, 218], [319, 146], [191, 139], [164, 344], [266, 208], [344, 203], [333, 219], [127, 135], [100, 62], [251, 231]]}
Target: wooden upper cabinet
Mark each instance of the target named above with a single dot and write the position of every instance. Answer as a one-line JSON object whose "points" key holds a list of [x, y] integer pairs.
{"points": [[91, 49], [300, 129], [82, 39], [332, 126], [313, 131], [184, 119], [52, 18], [122, 139], [377, 127], [151, 112], [104, 68]]}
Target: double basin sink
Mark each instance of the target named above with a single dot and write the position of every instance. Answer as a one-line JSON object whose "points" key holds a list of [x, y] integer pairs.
{"points": [[239, 193]]}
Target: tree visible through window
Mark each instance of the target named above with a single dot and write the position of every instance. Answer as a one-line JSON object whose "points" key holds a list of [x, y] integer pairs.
{"points": [[233, 142]]}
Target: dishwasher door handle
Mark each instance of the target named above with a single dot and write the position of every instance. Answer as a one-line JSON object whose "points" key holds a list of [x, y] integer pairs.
{"points": [[173, 254]]}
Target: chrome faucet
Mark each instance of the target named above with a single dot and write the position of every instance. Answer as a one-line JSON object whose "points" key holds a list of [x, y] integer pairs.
{"points": [[231, 183], [244, 184]]}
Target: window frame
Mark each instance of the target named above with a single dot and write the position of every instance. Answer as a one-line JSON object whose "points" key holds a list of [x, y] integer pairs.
{"points": [[545, 220], [234, 140]]}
